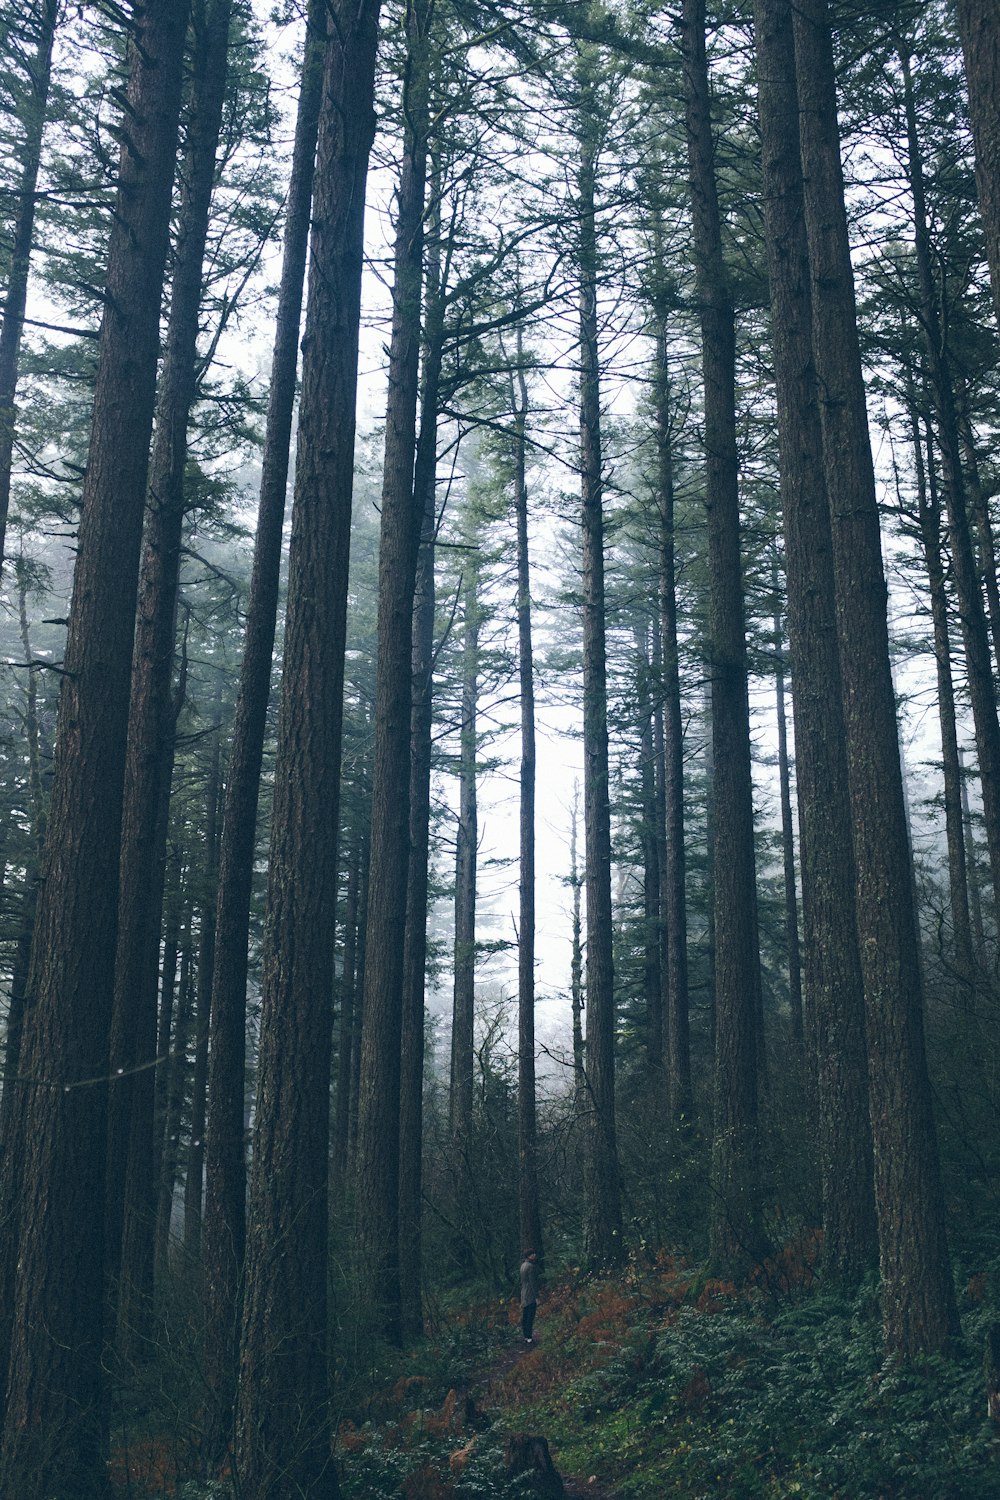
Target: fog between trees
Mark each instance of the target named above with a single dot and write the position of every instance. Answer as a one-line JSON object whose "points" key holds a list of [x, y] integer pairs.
{"points": [[557, 806]]}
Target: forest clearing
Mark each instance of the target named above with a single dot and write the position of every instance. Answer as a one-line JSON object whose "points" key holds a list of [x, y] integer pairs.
{"points": [[499, 749]]}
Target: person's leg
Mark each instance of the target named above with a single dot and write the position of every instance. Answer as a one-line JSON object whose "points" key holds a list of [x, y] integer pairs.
{"points": [[528, 1320]]}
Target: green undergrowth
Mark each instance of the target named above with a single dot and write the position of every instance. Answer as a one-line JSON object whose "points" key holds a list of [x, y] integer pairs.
{"points": [[715, 1391], [660, 1384]]}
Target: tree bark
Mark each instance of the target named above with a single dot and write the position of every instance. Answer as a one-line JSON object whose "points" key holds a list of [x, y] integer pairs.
{"points": [[421, 749], [673, 887], [652, 983], [194, 1181], [735, 1228], [979, 27], [984, 526], [377, 1174], [787, 835], [224, 1226], [175, 1090], [832, 962], [930, 533], [348, 1028], [283, 1419], [359, 989], [466, 850], [602, 1209], [576, 964], [787, 848], [149, 756], [52, 1436], [165, 1019], [975, 635], [17, 1003], [918, 1301]]}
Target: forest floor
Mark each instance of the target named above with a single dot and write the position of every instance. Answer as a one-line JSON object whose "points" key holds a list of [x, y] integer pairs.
{"points": [[659, 1382]]}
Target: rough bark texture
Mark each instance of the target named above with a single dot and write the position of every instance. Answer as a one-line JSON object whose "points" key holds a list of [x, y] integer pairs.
{"points": [[979, 506], [930, 533], [735, 1225], [377, 1176], [421, 745], [652, 985], [788, 845], [979, 26], [917, 1293], [52, 1436], [175, 1092], [165, 1022], [576, 963], [10, 1147], [972, 861], [348, 1026], [972, 613], [463, 1039], [149, 757], [194, 1180], [224, 1228], [12, 324], [832, 963], [673, 893], [602, 1210], [283, 1420]]}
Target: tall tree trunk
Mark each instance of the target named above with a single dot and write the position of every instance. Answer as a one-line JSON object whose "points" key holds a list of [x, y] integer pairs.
{"points": [[52, 1436], [832, 962], [32, 114], [787, 837], [466, 851], [735, 1229], [652, 985], [660, 832], [529, 1212], [38, 815], [283, 1420], [979, 27], [175, 1091], [673, 885], [576, 962], [918, 1301], [975, 895], [359, 989], [984, 525], [379, 1095], [149, 757], [165, 1018], [194, 1180], [224, 1227], [347, 1031], [979, 671], [602, 1208], [930, 533], [17, 1000], [421, 747]]}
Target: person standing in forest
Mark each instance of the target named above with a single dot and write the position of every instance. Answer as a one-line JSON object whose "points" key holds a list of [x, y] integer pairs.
{"points": [[529, 1294]]}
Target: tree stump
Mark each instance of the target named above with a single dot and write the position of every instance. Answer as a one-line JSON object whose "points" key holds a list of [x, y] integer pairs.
{"points": [[991, 1372], [525, 1454]]}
